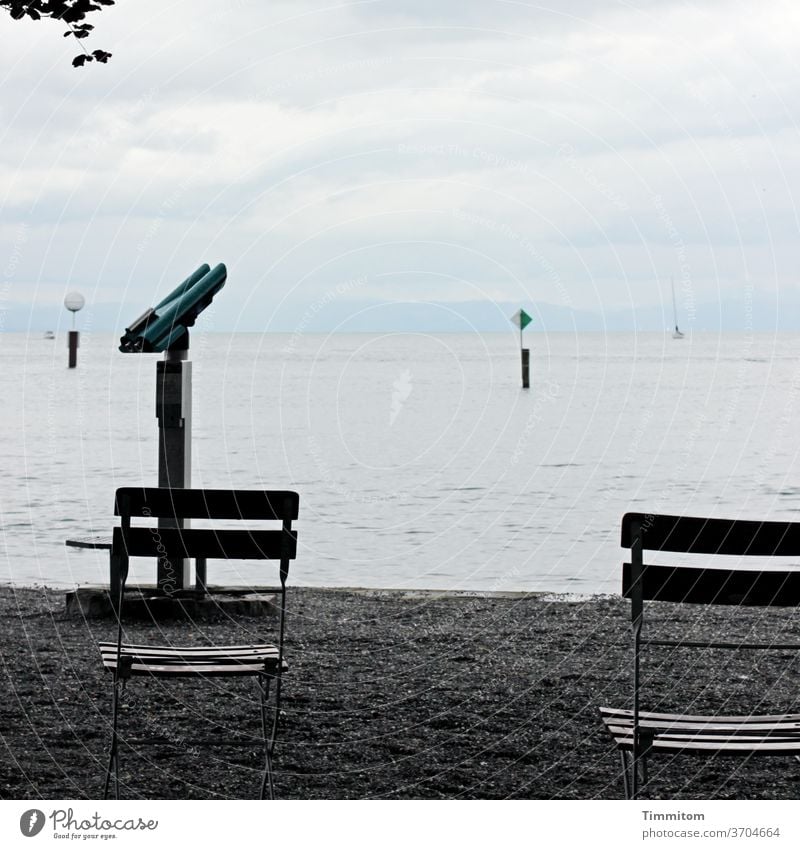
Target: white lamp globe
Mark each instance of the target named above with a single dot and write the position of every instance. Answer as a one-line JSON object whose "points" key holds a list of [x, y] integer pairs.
{"points": [[74, 301]]}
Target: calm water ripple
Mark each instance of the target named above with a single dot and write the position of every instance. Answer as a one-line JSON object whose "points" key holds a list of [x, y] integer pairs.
{"points": [[420, 461]]}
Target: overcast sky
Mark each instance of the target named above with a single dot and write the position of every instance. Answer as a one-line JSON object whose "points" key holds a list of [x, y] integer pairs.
{"points": [[341, 156]]}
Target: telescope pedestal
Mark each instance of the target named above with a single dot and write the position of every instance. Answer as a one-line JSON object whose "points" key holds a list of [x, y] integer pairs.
{"points": [[165, 327], [174, 414]]}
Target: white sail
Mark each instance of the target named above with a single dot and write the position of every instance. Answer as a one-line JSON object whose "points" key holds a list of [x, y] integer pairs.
{"points": [[676, 333]]}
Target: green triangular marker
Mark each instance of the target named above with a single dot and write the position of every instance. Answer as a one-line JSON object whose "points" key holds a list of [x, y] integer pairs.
{"points": [[521, 319]]}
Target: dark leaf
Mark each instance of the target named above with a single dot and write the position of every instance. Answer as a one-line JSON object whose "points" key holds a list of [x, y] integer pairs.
{"points": [[72, 15], [71, 12]]}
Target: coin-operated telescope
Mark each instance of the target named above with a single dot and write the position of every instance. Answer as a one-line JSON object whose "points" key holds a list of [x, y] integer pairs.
{"points": [[164, 328]]}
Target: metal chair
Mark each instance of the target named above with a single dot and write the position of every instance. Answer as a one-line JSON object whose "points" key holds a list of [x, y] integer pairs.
{"points": [[640, 735], [264, 661]]}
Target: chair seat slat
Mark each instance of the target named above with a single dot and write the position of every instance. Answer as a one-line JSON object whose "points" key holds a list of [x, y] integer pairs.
{"points": [[192, 652], [691, 732], [204, 670], [764, 747], [713, 644], [220, 660], [736, 736], [716, 728], [619, 714], [692, 729]]}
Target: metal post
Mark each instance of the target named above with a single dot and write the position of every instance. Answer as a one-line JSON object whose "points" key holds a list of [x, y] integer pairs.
{"points": [[74, 302], [174, 414], [526, 359], [73, 338]]}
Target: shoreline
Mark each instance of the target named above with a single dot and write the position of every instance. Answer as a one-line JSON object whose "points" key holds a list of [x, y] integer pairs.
{"points": [[377, 592], [387, 697]]}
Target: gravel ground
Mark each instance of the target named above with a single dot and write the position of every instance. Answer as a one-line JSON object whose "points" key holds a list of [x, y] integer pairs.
{"points": [[389, 696]]}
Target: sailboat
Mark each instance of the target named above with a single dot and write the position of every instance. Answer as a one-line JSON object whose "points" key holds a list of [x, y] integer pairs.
{"points": [[676, 334]]}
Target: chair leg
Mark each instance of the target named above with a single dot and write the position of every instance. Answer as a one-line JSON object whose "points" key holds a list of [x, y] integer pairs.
{"points": [[113, 758], [268, 738], [642, 751], [115, 583], [634, 774], [275, 714], [626, 780], [267, 782]]}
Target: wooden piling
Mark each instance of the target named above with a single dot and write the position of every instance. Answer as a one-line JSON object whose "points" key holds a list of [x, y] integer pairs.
{"points": [[526, 359], [73, 339]]}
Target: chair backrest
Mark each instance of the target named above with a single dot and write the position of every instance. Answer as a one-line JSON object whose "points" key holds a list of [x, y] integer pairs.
{"points": [[180, 504], [700, 585], [206, 503]]}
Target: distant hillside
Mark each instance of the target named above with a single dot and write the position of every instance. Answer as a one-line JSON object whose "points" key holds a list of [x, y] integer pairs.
{"points": [[371, 316]]}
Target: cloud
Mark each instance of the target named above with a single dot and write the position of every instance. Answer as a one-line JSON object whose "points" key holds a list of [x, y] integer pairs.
{"points": [[490, 147]]}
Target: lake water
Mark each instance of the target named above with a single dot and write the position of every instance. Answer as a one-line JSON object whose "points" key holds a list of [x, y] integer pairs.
{"points": [[419, 460]]}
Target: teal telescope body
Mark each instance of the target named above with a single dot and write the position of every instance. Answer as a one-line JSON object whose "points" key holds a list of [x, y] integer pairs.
{"points": [[165, 324]]}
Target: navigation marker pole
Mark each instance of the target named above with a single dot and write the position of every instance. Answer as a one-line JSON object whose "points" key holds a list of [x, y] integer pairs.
{"points": [[522, 320], [74, 302]]}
